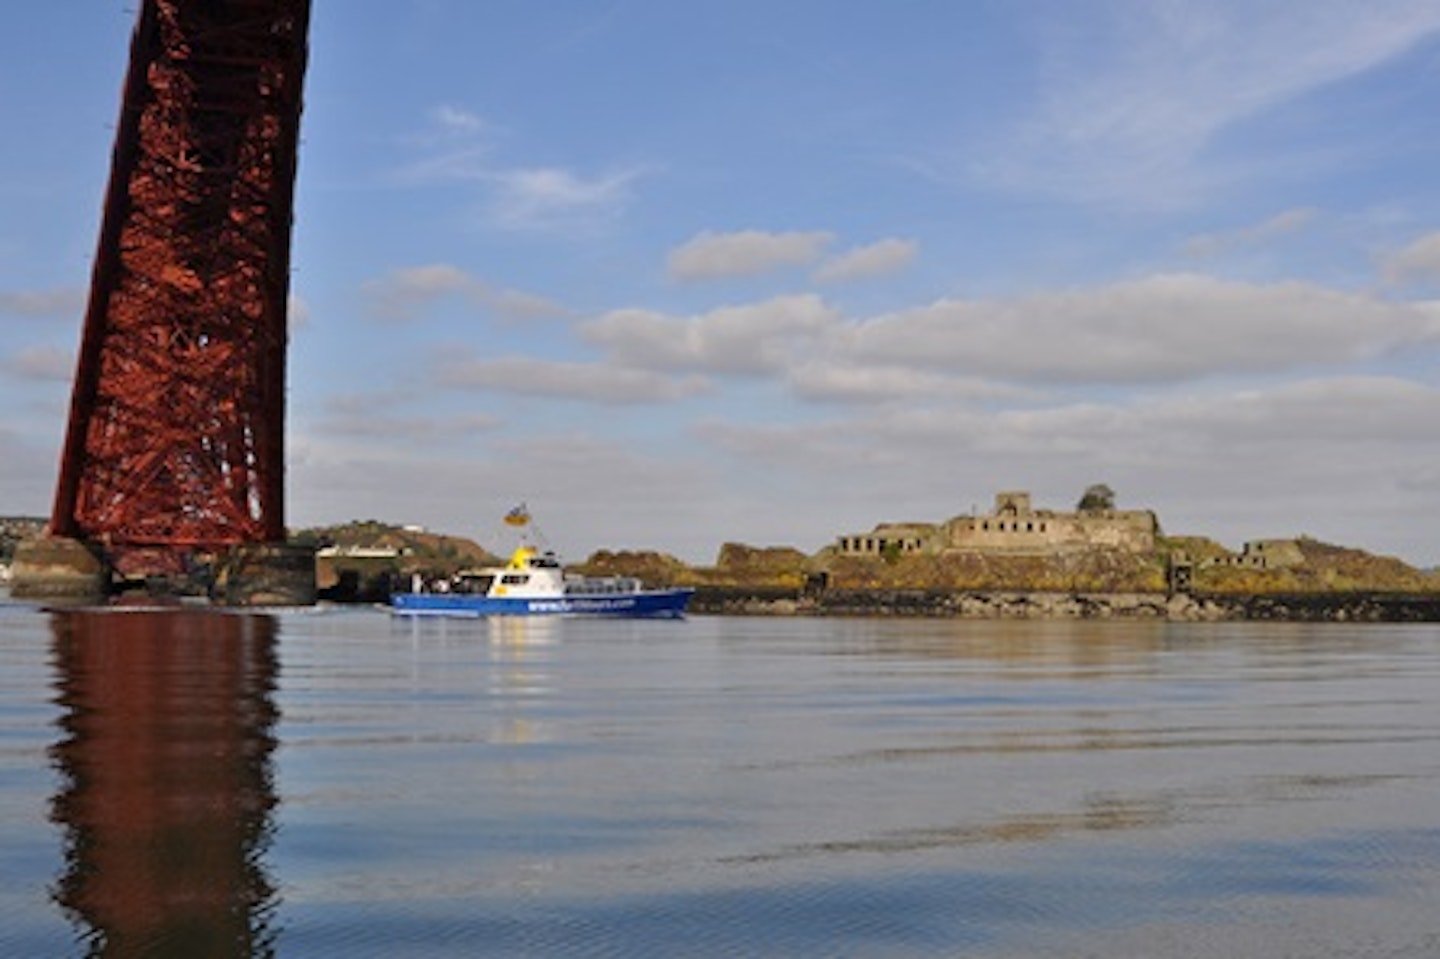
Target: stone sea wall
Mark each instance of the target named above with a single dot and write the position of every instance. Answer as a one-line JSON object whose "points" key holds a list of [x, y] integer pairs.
{"points": [[1317, 607]]}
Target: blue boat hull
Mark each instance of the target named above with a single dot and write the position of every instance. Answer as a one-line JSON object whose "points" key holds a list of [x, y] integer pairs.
{"points": [[652, 603]]}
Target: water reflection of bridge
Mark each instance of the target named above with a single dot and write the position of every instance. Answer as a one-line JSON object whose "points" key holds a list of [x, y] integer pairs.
{"points": [[167, 791]]}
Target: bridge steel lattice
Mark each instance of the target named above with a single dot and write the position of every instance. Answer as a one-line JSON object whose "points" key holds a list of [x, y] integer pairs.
{"points": [[176, 434]]}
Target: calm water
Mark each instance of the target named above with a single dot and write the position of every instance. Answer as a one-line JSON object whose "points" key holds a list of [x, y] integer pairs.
{"points": [[335, 783]]}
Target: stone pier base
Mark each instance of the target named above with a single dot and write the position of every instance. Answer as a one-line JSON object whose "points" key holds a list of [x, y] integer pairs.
{"points": [[65, 572], [269, 574], [60, 571]]}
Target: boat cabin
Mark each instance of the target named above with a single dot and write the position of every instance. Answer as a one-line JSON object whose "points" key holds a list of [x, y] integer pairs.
{"points": [[533, 575]]}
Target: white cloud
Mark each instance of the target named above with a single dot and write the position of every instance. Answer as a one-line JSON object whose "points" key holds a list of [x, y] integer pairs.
{"points": [[527, 198], [877, 259], [555, 379], [458, 120], [548, 198], [710, 256], [67, 304], [42, 363], [750, 339], [403, 295], [471, 162], [829, 381], [1236, 465], [298, 313], [1420, 260], [27, 474], [1159, 328], [377, 422], [1345, 411], [1134, 95], [1150, 332], [455, 145], [1281, 224]]}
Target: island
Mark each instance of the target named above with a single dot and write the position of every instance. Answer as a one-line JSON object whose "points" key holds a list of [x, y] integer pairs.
{"points": [[1015, 560]]}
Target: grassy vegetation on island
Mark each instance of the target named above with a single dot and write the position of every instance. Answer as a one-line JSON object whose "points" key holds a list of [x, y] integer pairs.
{"points": [[365, 559], [1325, 568]]}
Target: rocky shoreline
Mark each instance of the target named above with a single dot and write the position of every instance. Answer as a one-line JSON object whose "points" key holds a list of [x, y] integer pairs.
{"points": [[964, 604], [983, 605]]}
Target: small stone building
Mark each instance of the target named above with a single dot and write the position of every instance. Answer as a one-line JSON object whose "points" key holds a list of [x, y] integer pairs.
{"points": [[890, 539], [1262, 554]]}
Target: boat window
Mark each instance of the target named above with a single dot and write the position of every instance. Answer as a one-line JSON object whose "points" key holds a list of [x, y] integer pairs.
{"points": [[599, 585], [515, 579]]}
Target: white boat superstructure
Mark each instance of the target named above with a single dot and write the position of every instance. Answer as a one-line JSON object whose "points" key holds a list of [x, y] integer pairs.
{"points": [[534, 583]]}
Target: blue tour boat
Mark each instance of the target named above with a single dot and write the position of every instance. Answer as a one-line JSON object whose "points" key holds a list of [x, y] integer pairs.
{"points": [[533, 583]]}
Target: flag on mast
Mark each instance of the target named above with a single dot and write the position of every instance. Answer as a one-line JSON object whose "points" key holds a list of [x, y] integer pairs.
{"points": [[519, 516]]}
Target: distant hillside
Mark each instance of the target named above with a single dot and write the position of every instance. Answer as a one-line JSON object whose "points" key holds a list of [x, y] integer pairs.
{"points": [[420, 546], [364, 559], [14, 529]]}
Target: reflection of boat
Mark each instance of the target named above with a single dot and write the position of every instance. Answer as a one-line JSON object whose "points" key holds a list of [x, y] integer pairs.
{"points": [[533, 583]]}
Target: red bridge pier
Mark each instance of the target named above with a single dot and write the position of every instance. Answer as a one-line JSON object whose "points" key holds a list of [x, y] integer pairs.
{"points": [[172, 473]]}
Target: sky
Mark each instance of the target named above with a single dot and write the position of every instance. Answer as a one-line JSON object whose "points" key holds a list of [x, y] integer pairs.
{"points": [[677, 273]]}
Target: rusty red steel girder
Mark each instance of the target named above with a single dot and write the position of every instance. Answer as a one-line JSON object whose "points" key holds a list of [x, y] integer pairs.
{"points": [[176, 434]]}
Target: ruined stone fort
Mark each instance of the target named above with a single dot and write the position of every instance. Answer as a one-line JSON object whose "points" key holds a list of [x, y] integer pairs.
{"points": [[1016, 527]]}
